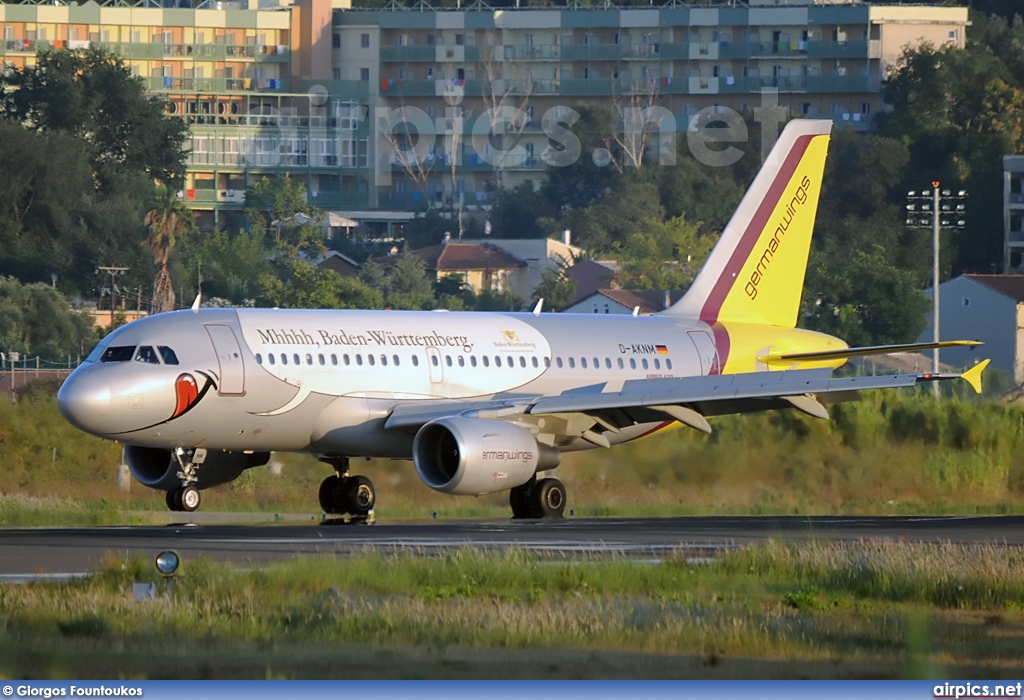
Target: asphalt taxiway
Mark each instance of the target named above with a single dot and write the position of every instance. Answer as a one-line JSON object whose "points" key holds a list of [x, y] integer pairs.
{"points": [[49, 551]]}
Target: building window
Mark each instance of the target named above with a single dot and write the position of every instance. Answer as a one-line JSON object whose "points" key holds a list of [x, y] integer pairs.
{"points": [[364, 74], [336, 73], [336, 41], [364, 41]]}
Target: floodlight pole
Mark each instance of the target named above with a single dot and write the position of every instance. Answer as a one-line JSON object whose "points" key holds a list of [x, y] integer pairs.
{"points": [[935, 281], [113, 271]]}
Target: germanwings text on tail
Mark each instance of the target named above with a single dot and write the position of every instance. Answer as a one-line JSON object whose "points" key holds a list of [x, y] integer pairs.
{"points": [[480, 402]]}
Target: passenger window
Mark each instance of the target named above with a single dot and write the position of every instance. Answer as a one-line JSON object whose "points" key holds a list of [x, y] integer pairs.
{"points": [[644, 362], [583, 362], [558, 361], [259, 359], [334, 359], [295, 356], [169, 357], [309, 359], [472, 360], [487, 362], [572, 363], [394, 359], [533, 361], [608, 362], [148, 355], [632, 363], [369, 358], [657, 363], [121, 353], [668, 364], [270, 356], [597, 363], [462, 360], [433, 360], [415, 360], [284, 359], [621, 366], [497, 361], [323, 361], [448, 360], [359, 359], [346, 360], [547, 363], [383, 360]]}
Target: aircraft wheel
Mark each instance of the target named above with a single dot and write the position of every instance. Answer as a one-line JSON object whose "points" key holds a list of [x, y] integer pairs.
{"points": [[549, 498], [190, 499], [360, 495], [519, 499], [173, 500], [329, 488]]}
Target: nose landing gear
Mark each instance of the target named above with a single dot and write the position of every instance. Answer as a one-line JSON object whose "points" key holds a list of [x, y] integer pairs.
{"points": [[186, 498], [342, 494]]}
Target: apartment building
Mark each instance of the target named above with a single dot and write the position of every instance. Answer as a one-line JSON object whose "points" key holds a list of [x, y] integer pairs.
{"points": [[270, 87]]}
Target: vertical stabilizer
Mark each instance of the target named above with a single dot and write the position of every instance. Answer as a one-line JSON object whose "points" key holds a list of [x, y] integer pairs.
{"points": [[755, 274]]}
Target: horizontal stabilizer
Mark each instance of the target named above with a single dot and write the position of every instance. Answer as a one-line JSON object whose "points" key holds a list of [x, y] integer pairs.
{"points": [[789, 358]]}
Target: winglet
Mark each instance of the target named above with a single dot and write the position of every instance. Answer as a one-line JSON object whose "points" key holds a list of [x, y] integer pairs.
{"points": [[973, 375], [197, 302], [538, 307]]}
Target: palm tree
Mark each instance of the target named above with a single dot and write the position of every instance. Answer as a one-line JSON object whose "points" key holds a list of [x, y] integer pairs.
{"points": [[165, 222]]}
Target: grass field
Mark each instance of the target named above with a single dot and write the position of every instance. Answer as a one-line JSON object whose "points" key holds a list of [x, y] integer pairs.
{"points": [[879, 610], [891, 453]]}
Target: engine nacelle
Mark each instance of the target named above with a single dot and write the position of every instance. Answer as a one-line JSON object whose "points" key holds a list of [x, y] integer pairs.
{"points": [[474, 456], [158, 469]]}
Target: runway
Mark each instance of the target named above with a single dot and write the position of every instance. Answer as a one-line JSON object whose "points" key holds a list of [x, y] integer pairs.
{"points": [[52, 551]]}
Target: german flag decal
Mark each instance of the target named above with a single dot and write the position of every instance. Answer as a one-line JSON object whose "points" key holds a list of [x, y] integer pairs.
{"points": [[662, 349]]}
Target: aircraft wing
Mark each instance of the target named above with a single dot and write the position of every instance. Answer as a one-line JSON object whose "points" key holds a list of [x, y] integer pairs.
{"points": [[686, 399]]}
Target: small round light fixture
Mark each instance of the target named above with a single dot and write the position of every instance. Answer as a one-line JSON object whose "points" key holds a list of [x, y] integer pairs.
{"points": [[167, 563]]}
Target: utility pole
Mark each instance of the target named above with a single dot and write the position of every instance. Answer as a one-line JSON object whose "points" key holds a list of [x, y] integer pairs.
{"points": [[113, 271], [932, 213]]}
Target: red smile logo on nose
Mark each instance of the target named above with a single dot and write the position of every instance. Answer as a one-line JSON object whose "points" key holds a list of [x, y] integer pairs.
{"points": [[188, 393]]}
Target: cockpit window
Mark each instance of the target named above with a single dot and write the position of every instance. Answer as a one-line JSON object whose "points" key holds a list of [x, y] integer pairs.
{"points": [[148, 355], [169, 357], [118, 353]]}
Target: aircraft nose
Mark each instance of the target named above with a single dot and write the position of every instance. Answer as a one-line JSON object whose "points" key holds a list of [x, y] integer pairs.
{"points": [[84, 401]]}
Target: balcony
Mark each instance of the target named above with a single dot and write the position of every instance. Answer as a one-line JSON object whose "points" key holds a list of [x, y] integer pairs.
{"points": [[339, 200], [214, 85], [668, 52], [778, 49], [27, 46], [843, 83], [408, 54], [340, 89], [534, 52], [593, 52], [837, 49]]}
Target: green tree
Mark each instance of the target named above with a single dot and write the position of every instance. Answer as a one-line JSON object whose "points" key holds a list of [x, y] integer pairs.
{"points": [[664, 254], [166, 222], [36, 319], [92, 96], [556, 288], [585, 179], [309, 287], [232, 264], [402, 279]]}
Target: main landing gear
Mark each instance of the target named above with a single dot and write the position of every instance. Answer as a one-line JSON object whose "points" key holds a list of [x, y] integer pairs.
{"points": [[186, 497], [341, 494], [544, 498]]}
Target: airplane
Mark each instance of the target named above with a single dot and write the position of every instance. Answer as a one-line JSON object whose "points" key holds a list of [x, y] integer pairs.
{"points": [[480, 402]]}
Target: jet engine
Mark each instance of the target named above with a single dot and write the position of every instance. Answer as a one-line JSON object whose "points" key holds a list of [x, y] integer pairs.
{"points": [[158, 469], [474, 456]]}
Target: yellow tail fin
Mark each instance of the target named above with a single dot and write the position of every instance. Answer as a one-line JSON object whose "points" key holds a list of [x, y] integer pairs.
{"points": [[756, 272]]}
